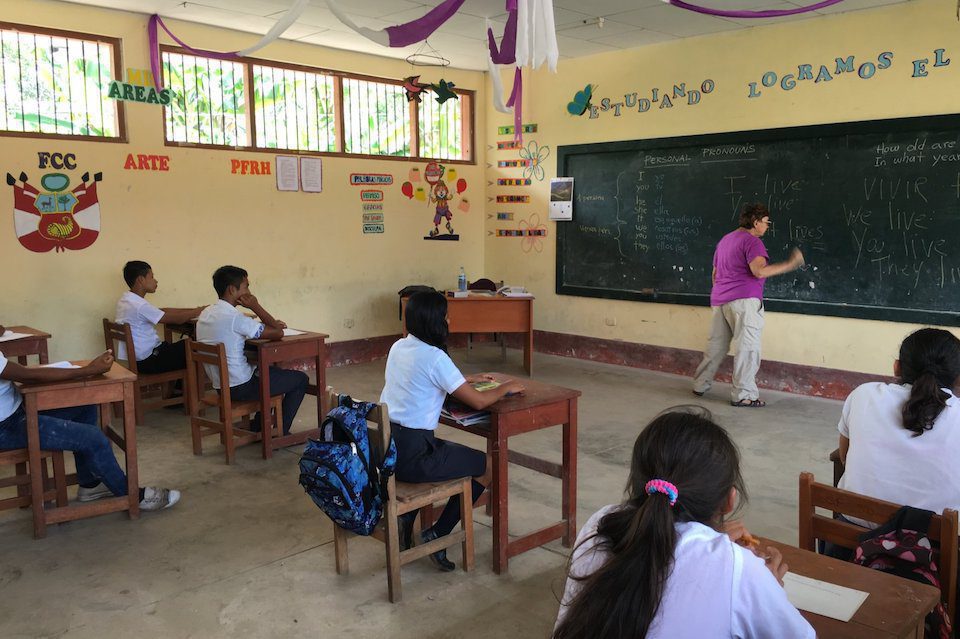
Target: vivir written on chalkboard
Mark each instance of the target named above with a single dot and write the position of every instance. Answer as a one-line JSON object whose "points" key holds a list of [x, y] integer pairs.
{"points": [[875, 207]]}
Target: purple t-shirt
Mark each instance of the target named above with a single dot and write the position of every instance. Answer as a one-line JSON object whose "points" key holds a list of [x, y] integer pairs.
{"points": [[734, 279]]}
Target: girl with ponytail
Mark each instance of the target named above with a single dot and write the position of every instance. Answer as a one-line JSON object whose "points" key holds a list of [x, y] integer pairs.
{"points": [[901, 442], [659, 565]]}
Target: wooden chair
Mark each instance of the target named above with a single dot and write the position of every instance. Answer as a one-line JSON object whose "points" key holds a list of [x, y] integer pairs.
{"points": [[837, 466], [485, 284], [813, 526], [114, 334], [55, 488], [228, 411], [404, 498]]}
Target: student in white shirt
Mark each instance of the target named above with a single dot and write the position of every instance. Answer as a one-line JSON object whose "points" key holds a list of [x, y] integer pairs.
{"points": [[418, 377], [75, 429], [222, 323], [152, 354], [901, 442], [663, 565]]}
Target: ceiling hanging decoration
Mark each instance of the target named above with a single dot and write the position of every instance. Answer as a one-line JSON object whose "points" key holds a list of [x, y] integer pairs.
{"points": [[156, 22], [402, 35], [766, 13]]}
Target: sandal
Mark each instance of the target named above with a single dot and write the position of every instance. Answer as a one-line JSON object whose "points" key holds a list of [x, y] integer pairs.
{"points": [[749, 403], [699, 393]]}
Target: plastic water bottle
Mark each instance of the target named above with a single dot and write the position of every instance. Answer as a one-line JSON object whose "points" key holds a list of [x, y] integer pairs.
{"points": [[462, 280]]}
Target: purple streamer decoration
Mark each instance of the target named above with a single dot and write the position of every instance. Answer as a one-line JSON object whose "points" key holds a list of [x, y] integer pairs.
{"points": [[507, 53], [516, 101], [420, 29], [154, 43], [767, 13]]}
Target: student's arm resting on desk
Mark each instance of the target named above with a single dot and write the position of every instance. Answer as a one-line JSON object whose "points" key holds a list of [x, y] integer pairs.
{"points": [[478, 400], [272, 328], [180, 315], [15, 372]]}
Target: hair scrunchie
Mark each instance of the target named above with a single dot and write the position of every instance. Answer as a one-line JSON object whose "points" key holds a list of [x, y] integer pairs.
{"points": [[664, 487]]}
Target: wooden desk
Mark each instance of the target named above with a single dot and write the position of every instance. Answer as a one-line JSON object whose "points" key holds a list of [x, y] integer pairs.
{"points": [[310, 346], [115, 386], [295, 347], [895, 608], [36, 344], [492, 314], [542, 406]]}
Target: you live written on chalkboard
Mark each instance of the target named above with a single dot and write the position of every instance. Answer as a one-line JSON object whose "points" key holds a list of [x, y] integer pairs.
{"points": [[875, 207]]}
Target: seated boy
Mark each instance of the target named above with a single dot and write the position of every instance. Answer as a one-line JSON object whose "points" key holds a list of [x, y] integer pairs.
{"points": [[223, 323], [74, 429], [153, 355]]}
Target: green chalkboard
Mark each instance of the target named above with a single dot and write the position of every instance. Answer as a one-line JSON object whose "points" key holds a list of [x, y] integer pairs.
{"points": [[875, 207]]}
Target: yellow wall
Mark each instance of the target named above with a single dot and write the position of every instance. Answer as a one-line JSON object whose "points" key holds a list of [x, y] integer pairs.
{"points": [[732, 60], [309, 262]]}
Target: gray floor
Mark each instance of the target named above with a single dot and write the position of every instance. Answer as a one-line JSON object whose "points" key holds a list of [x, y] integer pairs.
{"points": [[247, 554]]}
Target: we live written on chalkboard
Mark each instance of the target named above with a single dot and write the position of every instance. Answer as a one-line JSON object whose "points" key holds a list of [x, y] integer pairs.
{"points": [[875, 207]]}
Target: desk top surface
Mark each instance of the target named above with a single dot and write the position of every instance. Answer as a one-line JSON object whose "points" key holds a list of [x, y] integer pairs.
{"points": [[475, 296], [536, 394], [116, 374], [894, 607], [306, 336], [32, 332]]}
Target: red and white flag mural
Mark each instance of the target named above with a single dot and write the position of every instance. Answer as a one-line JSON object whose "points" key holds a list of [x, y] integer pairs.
{"points": [[55, 219]]}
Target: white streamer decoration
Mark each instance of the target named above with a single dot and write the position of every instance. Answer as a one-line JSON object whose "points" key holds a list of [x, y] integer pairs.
{"points": [[281, 25], [536, 34], [494, 72], [380, 37]]}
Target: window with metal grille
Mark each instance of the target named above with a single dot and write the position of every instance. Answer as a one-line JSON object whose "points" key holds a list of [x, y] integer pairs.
{"points": [[209, 104], [376, 118], [294, 109], [55, 83], [444, 130]]}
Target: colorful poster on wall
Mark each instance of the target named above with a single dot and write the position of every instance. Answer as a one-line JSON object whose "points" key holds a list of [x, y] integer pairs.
{"points": [[561, 199], [443, 187], [52, 218]]}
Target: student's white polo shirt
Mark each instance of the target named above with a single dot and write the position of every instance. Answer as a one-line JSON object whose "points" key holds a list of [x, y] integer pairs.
{"points": [[223, 323], [9, 395], [886, 461], [715, 588], [417, 380], [142, 316]]}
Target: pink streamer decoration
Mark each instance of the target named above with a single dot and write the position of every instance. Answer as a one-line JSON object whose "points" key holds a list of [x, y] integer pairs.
{"points": [[420, 29], [516, 101], [507, 52], [766, 13], [154, 42]]}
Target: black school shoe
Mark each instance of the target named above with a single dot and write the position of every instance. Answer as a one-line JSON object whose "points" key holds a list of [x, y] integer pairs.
{"points": [[438, 558]]}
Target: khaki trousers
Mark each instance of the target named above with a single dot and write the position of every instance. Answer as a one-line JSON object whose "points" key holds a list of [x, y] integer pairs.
{"points": [[739, 322]]}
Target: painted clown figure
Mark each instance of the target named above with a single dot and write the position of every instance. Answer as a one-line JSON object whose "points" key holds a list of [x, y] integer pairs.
{"points": [[440, 195]]}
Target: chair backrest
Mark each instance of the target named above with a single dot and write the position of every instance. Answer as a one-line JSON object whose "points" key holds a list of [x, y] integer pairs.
{"points": [[199, 354], [813, 526], [483, 284], [114, 334], [378, 430]]}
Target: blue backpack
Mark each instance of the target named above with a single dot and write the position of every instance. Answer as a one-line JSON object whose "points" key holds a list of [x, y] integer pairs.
{"points": [[343, 475]]}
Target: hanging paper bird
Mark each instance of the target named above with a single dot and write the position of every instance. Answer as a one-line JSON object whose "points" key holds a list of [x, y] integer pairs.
{"points": [[413, 88], [444, 91]]}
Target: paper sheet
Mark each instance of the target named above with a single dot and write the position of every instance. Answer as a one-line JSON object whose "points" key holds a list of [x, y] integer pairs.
{"points": [[823, 598], [10, 335], [311, 174], [290, 332], [63, 364], [288, 175]]}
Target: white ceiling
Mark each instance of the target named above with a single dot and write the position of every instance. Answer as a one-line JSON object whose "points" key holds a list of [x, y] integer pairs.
{"points": [[626, 23]]}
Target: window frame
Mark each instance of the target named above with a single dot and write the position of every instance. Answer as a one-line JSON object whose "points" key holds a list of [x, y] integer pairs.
{"points": [[116, 44], [468, 137]]}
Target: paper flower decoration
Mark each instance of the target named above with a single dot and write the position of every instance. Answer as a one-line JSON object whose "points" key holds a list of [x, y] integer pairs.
{"points": [[533, 233], [534, 154]]}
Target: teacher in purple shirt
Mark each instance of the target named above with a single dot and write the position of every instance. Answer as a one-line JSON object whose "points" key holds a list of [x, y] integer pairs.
{"points": [[739, 271]]}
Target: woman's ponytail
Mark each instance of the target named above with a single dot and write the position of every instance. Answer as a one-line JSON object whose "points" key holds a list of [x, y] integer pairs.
{"points": [[926, 402], [929, 362]]}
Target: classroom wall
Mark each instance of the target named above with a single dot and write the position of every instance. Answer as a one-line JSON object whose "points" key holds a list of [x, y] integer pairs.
{"points": [[309, 261], [732, 61]]}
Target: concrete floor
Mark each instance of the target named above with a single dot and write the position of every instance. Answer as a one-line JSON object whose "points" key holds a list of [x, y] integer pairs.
{"points": [[247, 554]]}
